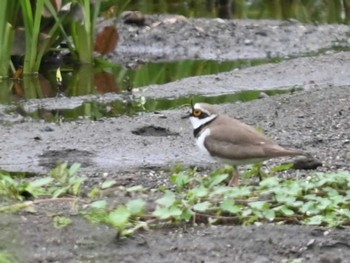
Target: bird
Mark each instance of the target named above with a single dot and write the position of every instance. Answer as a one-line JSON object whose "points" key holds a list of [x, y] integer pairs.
{"points": [[231, 141]]}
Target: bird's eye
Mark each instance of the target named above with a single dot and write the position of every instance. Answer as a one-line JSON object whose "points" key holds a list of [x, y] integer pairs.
{"points": [[196, 113]]}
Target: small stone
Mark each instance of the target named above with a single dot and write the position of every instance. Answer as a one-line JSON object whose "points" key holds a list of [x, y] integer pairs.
{"points": [[47, 129], [248, 42], [263, 95]]}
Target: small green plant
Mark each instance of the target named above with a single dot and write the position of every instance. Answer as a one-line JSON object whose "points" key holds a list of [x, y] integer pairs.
{"points": [[61, 222], [66, 179], [322, 200], [126, 219], [63, 180], [19, 190]]}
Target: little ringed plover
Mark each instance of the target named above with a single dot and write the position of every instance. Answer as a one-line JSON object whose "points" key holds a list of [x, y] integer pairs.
{"points": [[232, 141]]}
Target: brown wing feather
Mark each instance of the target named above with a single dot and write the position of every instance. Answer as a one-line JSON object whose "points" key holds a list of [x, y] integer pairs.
{"points": [[240, 141]]}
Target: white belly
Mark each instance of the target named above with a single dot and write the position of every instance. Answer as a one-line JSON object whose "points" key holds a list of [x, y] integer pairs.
{"points": [[200, 141]]}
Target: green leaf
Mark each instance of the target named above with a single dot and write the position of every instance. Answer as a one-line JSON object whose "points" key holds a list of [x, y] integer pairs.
{"points": [[284, 210], [330, 191], [77, 182], [315, 220], [333, 219], [221, 190], [246, 212], [186, 215], [199, 192], [167, 200], [119, 217], [269, 182], [108, 184], [343, 212], [181, 180], [136, 188], [269, 214], [282, 167], [297, 204], [59, 172], [309, 208], [338, 199], [202, 207], [230, 206], [95, 192], [74, 169], [97, 215], [286, 199], [292, 187], [57, 192], [311, 197], [324, 203], [259, 205], [61, 222], [217, 179], [136, 207], [167, 212], [41, 182], [101, 204], [238, 192]]}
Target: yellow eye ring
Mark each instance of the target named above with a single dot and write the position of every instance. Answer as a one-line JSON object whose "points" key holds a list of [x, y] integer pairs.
{"points": [[197, 113]]}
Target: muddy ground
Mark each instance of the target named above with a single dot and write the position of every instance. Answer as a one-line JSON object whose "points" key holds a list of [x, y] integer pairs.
{"points": [[316, 119]]}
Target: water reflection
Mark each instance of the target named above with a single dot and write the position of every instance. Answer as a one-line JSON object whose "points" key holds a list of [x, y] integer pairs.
{"points": [[112, 79], [334, 11], [95, 110], [85, 80]]}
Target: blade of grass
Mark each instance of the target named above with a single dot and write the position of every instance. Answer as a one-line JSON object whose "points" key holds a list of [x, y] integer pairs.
{"points": [[32, 29], [34, 59], [58, 23], [28, 24], [7, 10], [5, 50], [84, 33]]}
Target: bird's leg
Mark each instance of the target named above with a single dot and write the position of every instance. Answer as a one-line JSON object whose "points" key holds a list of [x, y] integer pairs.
{"points": [[260, 176], [234, 177]]}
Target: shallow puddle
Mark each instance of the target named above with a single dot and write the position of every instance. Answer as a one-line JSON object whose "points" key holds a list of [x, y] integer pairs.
{"points": [[304, 11], [112, 78], [96, 110]]}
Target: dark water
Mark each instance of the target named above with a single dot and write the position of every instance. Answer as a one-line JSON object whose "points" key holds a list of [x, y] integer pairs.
{"points": [[116, 78], [95, 110], [309, 11]]}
